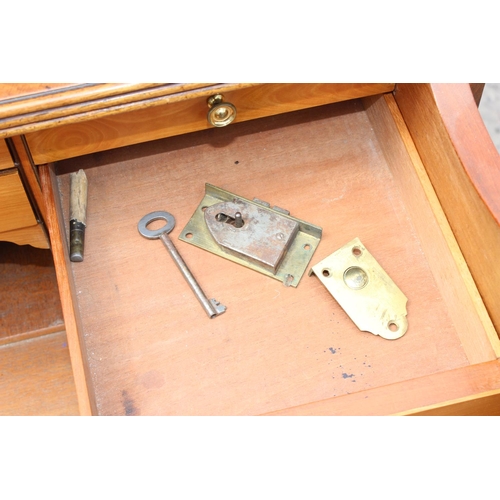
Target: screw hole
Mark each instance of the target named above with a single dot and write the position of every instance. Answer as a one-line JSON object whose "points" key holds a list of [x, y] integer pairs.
{"points": [[356, 251], [393, 327], [307, 246], [326, 273], [188, 235], [203, 208]]}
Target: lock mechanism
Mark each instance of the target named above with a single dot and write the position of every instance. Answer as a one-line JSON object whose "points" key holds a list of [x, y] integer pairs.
{"points": [[221, 113], [253, 234]]}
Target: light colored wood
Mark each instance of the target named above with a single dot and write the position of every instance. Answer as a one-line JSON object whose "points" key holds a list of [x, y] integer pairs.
{"points": [[27, 99], [15, 208], [450, 271], [5, 157], [484, 404], [78, 353], [446, 390], [11, 91], [184, 113], [464, 168], [469, 138], [86, 101], [26, 165], [36, 378], [153, 351], [18, 222], [33, 235]]}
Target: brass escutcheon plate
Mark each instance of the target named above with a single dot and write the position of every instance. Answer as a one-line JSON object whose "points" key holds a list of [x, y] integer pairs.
{"points": [[364, 290], [269, 240]]}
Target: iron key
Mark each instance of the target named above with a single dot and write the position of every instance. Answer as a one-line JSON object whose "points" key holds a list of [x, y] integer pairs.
{"points": [[212, 307]]}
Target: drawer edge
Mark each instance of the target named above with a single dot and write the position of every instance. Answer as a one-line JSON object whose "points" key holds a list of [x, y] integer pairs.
{"points": [[439, 390], [179, 115], [32, 235], [81, 375], [454, 145], [455, 280]]}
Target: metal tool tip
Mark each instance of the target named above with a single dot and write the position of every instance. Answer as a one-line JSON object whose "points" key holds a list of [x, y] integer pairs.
{"points": [[76, 257]]}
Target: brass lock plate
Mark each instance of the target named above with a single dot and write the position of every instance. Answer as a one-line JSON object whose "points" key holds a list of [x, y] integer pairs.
{"points": [[364, 290], [251, 233]]}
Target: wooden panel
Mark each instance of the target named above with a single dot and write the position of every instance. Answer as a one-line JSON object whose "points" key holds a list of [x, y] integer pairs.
{"points": [[15, 208], [29, 298], [23, 158], [5, 158], [464, 167], [445, 259], [33, 235], [416, 396], [484, 404], [185, 115], [35, 377], [9, 91], [151, 348], [25, 99], [76, 103], [83, 384]]}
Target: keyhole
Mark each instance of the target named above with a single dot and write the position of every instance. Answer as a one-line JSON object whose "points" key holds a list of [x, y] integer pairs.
{"points": [[236, 221]]}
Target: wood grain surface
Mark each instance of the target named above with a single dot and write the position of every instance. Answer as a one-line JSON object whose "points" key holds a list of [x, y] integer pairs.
{"points": [[14, 91], [184, 113], [15, 208], [464, 167], [29, 297], [483, 404], [468, 390], [445, 259], [36, 378], [77, 103], [17, 100], [5, 157], [151, 349], [24, 160], [35, 236], [69, 304]]}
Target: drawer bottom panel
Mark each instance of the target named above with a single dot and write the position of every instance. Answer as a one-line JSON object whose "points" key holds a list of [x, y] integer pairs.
{"points": [[152, 350]]}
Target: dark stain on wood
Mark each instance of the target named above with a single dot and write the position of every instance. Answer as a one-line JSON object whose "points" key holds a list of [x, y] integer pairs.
{"points": [[128, 405]]}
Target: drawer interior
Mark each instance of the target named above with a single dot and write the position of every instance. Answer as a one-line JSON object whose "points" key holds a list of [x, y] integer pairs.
{"points": [[150, 347]]}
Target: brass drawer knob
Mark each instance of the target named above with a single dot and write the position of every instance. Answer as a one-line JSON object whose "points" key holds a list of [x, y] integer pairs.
{"points": [[221, 113]]}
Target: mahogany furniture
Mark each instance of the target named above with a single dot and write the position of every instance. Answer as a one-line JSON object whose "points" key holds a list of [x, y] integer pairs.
{"points": [[407, 168]]}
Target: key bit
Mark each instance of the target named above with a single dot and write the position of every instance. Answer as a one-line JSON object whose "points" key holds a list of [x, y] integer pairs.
{"points": [[212, 307]]}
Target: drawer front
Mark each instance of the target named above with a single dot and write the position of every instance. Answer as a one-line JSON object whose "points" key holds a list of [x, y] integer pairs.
{"points": [[5, 158], [180, 116], [15, 208]]}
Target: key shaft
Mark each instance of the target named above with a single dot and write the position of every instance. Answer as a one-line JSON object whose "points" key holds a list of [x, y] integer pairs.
{"points": [[212, 307]]}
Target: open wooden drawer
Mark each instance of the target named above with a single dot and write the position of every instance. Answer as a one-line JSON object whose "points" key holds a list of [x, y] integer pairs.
{"points": [[140, 343], [18, 222]]}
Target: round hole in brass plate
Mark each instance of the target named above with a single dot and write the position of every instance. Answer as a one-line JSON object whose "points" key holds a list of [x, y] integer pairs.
{"points": [[355, 278]]}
